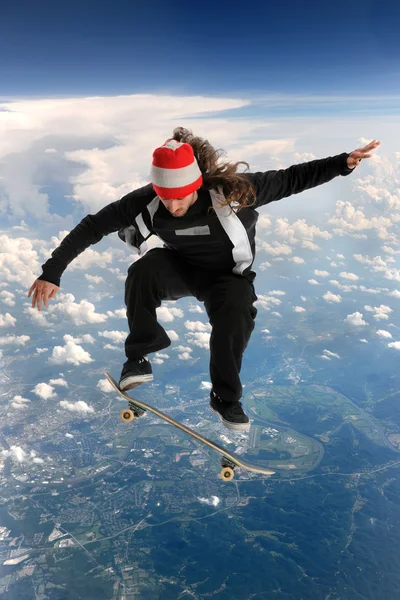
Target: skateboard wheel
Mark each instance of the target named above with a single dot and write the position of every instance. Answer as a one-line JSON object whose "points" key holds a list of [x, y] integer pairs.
{"points": [[127, 415], [227, 473]]}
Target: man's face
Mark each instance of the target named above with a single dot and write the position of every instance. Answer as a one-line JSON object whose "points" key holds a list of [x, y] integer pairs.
{"points": [[178, 207]]}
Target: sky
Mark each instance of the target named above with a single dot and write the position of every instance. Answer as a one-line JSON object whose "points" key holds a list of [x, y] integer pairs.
{"points": [[106, 48], [88, 91]]}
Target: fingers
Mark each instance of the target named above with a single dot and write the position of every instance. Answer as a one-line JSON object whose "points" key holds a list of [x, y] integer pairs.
{"points": [[43, 296], [42, 292], [360, 153], [37, 299], [371, 145]]}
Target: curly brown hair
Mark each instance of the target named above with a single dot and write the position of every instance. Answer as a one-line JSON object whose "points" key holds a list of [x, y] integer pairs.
{"points": [[237, 188]]}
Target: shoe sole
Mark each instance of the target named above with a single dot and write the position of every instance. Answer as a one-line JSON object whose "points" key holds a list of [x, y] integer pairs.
{"points": [[130, 382], [229, 425]]}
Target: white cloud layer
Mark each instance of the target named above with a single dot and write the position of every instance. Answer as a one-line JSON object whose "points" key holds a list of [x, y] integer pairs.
{"points": [[80, 406]]}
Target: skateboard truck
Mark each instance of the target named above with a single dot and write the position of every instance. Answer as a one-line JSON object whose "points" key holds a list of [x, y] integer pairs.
{"points": [[228, 468]]}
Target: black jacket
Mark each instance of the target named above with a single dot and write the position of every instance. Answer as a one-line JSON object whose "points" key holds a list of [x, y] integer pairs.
{"points": [[217, 240]]}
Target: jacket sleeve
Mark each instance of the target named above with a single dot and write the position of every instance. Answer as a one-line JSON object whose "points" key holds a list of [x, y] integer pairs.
{"points": [[274, 185], [91, 229]]}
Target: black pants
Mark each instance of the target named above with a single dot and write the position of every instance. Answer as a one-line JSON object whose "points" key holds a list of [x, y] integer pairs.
{"points": [[228, 299]]}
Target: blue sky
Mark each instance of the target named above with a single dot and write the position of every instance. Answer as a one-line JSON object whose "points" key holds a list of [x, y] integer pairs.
{"points": [[55, 48]]}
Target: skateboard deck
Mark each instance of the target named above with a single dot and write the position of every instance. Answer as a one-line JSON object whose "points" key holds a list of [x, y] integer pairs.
{"points": [[229, 460]]}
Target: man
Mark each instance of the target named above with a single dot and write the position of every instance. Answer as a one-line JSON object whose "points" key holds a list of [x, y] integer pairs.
{"points": [[205, 213]]}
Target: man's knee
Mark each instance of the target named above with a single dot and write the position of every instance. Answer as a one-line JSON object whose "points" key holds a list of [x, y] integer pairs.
{"points": [[237, 297], [233, 313]]}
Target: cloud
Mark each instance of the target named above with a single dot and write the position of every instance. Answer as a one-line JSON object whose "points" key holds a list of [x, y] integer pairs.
{"points": [[181, 348], [44, 391], [80, 313], [94, 278], [351, 276], [173, 336], [195, 308], [91, 258], [362, 288], [276, 248], [213, 501], [380, 312], [18, 340], [264, 222], [86, 338], [105, 386], [355, 319], [344, 288], [389, 249], [395, 345], [19, 402], [19, 262], [383, 333], [167, 314], [299, 232], [7, 320], [118, 337], [327, 355], [377, 263], [349, 220], [329, 297], [100, 173], [206, 385], [159, 358], [80, 406], [37, 317], [299, 309], [59, 381], [7, 298], [20, 455], [392, 274], [197, 326], [71, 353], [267, 302], [266, 265], [199, 339], [119, 313]]}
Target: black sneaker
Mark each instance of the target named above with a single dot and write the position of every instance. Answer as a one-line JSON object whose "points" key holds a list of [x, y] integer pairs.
{"points": [[135, 372], [230, 413]]}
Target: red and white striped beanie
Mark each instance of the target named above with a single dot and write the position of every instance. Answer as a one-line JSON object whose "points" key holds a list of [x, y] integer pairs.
{"points": [[175, 172]]}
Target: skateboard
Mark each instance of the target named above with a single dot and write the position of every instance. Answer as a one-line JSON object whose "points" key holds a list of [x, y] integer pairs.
{"points": [[229, 460]]}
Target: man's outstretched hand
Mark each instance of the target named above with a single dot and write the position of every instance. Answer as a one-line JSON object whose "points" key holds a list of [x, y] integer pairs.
{"points": [[355, 157], [42, 290]]}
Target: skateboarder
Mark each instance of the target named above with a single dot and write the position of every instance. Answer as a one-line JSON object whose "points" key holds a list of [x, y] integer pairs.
{"points": [[205, 213]]}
